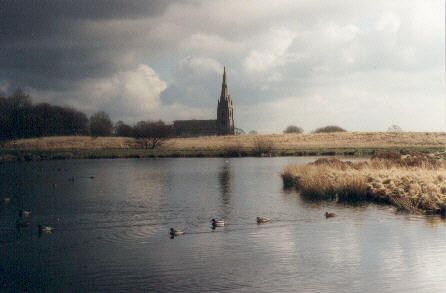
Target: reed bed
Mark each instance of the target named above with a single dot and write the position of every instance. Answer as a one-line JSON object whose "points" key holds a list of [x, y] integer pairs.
{"points": [[414, 183]]}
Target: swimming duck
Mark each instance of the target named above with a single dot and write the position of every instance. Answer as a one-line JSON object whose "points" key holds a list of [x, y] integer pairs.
{"points": [[262, 220], [45, 229], [24, 213], [330, 215], [174, 232], [219, 223]]}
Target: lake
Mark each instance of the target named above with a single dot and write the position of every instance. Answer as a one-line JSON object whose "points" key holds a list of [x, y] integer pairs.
{"points": [[112, 220]]}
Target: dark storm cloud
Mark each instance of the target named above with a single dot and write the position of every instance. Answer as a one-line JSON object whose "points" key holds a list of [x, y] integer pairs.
{"points": [[46, 44], [24, 18]]}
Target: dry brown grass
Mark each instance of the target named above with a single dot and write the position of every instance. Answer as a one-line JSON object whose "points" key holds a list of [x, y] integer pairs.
{"points": [[278, 141], [413, 183], [339, 139], [76, 142]]}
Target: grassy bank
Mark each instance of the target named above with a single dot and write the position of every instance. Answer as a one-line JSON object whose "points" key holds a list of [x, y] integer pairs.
{"points": [[413, 183], [314, 144]]}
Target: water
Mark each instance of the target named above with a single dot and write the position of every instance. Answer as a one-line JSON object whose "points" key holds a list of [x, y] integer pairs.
{"points": [[112, 232]]}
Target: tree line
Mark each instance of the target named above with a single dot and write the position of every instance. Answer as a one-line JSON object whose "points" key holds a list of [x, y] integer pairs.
{"points": [[329, 128], [20, 118]]}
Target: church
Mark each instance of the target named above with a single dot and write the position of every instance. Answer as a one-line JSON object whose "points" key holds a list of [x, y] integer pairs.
{"points": [[224, 125]]}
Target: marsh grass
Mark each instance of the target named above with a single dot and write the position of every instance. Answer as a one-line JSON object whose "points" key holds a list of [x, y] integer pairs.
{"points": [[412, 183], [263, 146], [233, 150]]}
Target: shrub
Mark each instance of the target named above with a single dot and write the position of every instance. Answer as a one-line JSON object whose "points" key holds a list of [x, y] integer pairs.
{"points": [[262, 145], [329, 128], [233, 150], [293, 129]]}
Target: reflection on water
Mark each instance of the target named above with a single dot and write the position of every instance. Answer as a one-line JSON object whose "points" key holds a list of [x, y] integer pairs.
{"points": [[112, 231], [225, 180]]}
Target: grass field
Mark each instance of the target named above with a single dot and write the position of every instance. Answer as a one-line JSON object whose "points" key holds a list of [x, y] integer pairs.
{"points": [[282, 141], [314, 144]]}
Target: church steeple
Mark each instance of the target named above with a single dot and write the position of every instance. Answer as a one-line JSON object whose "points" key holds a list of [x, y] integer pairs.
{"points": [[225, 120], [224, 87]]}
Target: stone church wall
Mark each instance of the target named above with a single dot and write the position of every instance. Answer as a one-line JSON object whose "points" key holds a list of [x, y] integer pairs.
{"points": [[187, 128]]}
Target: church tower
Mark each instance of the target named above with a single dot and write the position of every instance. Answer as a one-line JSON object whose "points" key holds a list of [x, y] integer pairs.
{"points": [[225, 119]]}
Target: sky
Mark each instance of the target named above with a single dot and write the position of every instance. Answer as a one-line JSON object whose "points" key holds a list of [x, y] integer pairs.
{"points": [[362, 65]]}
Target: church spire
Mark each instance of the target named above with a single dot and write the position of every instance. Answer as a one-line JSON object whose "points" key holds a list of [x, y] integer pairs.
{"points": [[224, 87], [225, 118]]}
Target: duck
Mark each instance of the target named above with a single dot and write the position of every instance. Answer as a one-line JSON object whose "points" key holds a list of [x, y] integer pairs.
{"points": [[24, 213], [6, 199], [330, 215], [174, 232], [45, 229], [262, 220], [217, 223]]}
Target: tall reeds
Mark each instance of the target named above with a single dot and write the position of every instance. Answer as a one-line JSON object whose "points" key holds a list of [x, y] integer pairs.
{"points": [[413, 183]]}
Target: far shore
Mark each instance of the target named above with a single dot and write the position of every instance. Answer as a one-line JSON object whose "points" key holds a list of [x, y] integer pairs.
{"points": [[320, 144]]}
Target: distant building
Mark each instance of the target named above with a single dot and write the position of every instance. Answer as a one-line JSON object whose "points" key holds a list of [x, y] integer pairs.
{"points": [[224, 125], [195, 127]]}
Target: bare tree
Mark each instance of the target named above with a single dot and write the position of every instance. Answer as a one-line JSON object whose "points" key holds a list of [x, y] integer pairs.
{"points": [[394, 128], [151, 134], [122, 129], [293, 129], [100, 124], [239, 131], [19, 113], [19, 100]]}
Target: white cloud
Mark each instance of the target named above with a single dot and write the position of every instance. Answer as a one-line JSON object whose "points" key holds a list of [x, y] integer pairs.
{"points": [[199, 66], [209, 43], [344, 106], [389, 22], [270, 50], [133, 94]]}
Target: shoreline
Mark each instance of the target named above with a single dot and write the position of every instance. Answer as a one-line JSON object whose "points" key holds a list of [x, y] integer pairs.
{"points": [[12, 155]]}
